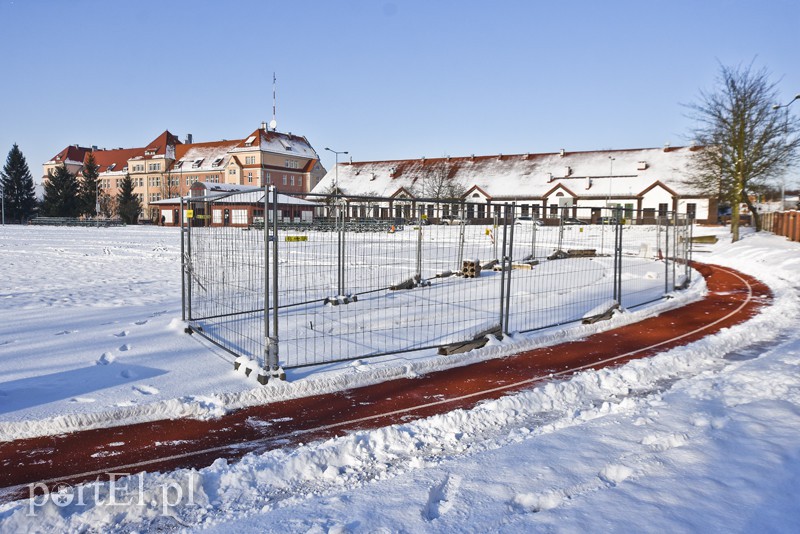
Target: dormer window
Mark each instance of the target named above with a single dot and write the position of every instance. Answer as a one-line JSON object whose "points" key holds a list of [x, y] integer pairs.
{"points": [[179, 164], [249, 140], [196, 163], [111, 167], [217, 162]]}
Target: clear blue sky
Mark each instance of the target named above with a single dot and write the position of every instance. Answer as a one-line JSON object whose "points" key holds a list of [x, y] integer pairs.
{"points": [[381, 79]]}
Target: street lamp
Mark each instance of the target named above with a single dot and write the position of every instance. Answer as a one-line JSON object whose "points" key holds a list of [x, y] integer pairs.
{"points": [[3, 196], [779, 106], [610, 176], [336, 172], [783, 184]]}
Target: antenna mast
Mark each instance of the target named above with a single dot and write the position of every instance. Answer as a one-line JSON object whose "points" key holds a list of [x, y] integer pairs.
{"points": [[273, 123]]}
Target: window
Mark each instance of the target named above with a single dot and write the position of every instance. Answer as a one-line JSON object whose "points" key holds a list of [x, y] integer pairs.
{"points": [[196, 163], [249, 160], [249, 140], [284, 179], [250, 177], [300, 181], [662, 210], [155, 181], [179, 164], [239, 216], [111, 167], [154, 167], [691, 210], [269, 178], [138, 168], [292, 164], [217, 162], [232, 171], [291, 180]]}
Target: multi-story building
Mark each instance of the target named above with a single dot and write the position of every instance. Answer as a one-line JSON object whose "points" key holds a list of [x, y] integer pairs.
{"points": [[167, 168]]}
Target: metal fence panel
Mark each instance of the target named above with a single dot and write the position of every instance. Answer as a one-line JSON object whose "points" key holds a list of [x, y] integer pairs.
{"points": [[351, 288]]}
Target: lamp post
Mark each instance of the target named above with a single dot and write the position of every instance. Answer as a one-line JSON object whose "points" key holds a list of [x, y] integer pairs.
{"points": [[341, 244], [3, 197], [779, 106], [783, 183], [610, 176], [336, 169]]}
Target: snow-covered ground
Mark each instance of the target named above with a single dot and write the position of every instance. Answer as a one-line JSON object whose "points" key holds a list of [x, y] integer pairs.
{"points": [[705, 437]]}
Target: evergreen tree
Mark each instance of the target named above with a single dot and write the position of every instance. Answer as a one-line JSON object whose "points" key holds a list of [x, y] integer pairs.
{"points": [[61, 194], [19, 193], [90, 191], [128, 204]]}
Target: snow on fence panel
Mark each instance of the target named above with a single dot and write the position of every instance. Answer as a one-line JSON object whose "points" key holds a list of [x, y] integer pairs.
{"points": [[334, 287]]}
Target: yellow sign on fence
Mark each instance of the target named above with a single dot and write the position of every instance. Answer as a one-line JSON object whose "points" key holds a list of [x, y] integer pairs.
{"points": [[296, 238]]}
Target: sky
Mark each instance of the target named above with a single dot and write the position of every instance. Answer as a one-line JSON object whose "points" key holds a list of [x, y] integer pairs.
{"points": [[378, 79]]}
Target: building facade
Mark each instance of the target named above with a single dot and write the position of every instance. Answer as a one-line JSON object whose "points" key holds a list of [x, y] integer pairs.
{"points": [[167, 167], [645, 183]]}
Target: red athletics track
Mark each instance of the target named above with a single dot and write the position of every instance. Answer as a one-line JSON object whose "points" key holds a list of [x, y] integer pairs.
{"points": [[163, 445]]}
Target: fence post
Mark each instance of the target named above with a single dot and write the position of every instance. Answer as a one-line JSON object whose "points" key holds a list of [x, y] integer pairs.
{"points": [[460, 263], [419, 252], [189, 263], [183, 264], [510, 258], [666, 254], [674, 248], [503, 272], [273, 354], [266, 277], [617, 276], [340, 227]]}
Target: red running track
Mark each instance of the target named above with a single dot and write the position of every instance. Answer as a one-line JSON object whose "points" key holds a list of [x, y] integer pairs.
{"points": [[164, 445]]}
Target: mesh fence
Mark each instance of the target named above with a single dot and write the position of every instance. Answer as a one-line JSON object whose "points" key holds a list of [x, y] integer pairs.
{"points": [[331, 287]]}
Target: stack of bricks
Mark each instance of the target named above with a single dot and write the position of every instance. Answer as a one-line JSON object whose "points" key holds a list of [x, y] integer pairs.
{"points": [[471, 268]]}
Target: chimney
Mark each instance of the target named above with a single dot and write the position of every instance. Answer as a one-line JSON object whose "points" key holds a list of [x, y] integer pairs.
{"points": [[264, 126], [562, 152], [188, 139], [94, 147]]}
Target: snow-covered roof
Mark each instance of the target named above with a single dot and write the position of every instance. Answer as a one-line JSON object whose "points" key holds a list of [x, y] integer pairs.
{"points": [[203, 157], [599, 174], [246, 195], [285, 144]]}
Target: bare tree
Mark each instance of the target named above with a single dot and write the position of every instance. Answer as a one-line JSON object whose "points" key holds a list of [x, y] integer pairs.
{"points": [[748, 143], [440, 184]]}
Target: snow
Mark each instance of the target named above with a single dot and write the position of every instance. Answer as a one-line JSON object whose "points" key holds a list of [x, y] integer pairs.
{"points": [[505, 176], [703, 437]]}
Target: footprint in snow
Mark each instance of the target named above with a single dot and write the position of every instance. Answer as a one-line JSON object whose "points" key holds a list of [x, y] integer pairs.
{"points": [[82, 400], [122, 334], [63, 332], [127, 373], [124, 348], [146, 390], [140, 323], [441, 498], [105, 359]]}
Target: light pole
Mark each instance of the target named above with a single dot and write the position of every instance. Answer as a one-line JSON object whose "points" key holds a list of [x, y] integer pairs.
{"points": [[341, 246], [779, 106], [336, 169], [610, 177], [3, 197], [783, 184]]}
